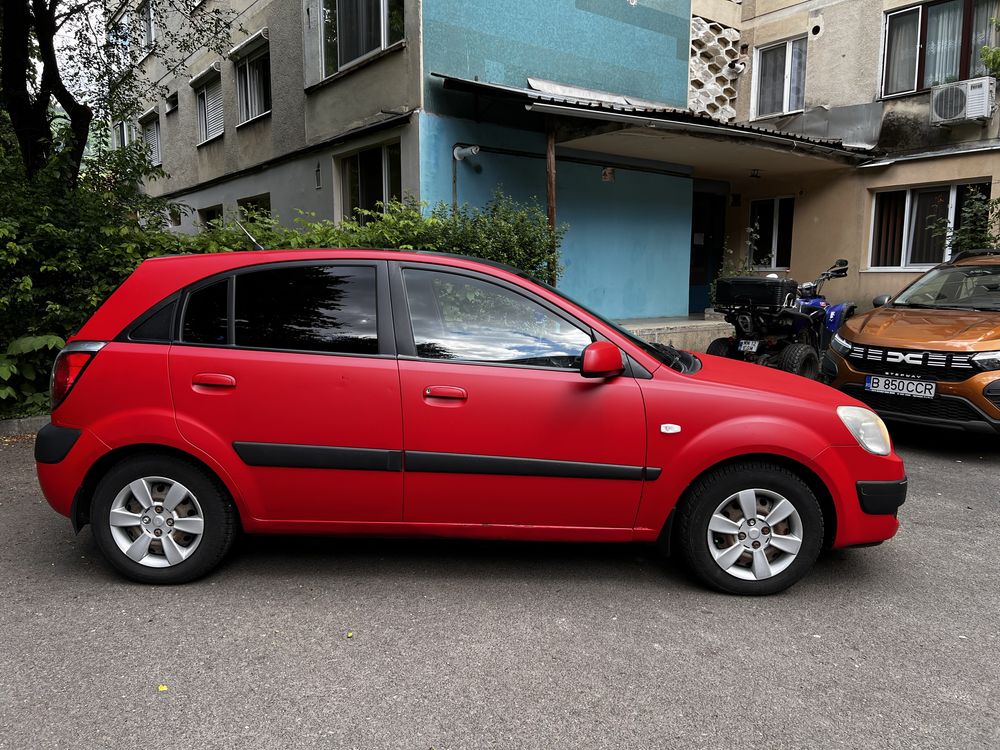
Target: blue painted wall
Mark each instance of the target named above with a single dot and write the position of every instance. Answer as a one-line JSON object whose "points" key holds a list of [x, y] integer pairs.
{"points": [[627, 251], [640, 50]]}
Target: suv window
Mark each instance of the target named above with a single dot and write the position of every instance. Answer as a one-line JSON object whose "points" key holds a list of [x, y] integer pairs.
{"points": [[316, 308], [458, 317], [206, 316]]}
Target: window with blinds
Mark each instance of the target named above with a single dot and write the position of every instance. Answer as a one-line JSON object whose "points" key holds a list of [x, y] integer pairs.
{"points": [[253, 86], [210, 122], [151, 139], [909, 225]]}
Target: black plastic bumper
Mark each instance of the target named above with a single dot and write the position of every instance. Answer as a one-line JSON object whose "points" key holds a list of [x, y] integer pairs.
{"points": [[52, 444], [881, 498]]}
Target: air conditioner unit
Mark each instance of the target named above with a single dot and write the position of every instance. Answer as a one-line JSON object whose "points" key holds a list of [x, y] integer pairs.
{"points": [[963, 101]]}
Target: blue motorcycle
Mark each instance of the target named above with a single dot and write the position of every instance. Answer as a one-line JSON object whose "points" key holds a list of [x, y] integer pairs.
{"points": [[778, 322]]}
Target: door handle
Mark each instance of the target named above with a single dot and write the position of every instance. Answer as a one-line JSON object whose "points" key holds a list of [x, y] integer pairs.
{"points": [[445, 391], [214, 380]]}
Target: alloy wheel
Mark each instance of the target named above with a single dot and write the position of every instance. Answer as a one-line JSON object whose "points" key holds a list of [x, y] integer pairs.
{"points": [[754, 534], [156, 522]]}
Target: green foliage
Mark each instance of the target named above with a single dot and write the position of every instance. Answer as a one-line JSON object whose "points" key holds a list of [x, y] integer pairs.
{"points": [[977, 228], [504, 231], [738, 263], [990, 56], [24, 368]]}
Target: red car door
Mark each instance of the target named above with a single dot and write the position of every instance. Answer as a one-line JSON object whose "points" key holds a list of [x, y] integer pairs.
{"points": [[499, 425], [287, 374]]}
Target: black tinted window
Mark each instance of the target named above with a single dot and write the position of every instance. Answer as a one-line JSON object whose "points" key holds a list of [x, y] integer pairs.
{"points": [[308, 308], [458, 317], [155, 327], [207, 314]]}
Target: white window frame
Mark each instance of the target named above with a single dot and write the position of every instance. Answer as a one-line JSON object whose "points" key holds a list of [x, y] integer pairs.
{"points": [[774, 234], [242, 81], [755, 82], [384, 43], [909, 218], [885, 50], [155, 155], [122, 133], [147, 16], [201, 100]]}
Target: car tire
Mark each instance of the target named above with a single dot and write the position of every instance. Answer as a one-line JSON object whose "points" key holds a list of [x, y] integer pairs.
{"points": [[714, 513], [162, 520], [800, 359], [720, 348]]}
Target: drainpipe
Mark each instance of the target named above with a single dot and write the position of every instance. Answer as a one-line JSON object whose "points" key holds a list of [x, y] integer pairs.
{"points": [[458, 153]]}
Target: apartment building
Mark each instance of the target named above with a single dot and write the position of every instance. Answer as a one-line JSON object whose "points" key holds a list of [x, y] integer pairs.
{"points": [[325, 106], [897, 80]]}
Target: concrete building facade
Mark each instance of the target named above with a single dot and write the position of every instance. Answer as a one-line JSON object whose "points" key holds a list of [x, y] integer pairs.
{"points": [[900, 81]]}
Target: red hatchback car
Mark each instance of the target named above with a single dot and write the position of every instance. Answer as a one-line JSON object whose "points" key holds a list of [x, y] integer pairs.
{"points": [[381, 393]]}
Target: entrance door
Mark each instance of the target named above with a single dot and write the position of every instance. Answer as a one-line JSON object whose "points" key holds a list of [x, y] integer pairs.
{"points": [[708, 238], [499, 426]]}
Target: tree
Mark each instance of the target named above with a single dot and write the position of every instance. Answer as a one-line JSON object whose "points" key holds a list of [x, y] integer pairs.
{"points": [[977, 227], [92, 59]]}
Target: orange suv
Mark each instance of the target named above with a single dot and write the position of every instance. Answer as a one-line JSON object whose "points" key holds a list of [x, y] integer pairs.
{"points": [[930, 355]]}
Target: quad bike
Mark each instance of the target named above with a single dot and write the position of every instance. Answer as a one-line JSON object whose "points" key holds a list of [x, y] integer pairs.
{"points": [[780, 323]]}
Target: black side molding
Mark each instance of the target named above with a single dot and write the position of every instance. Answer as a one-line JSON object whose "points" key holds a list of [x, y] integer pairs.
{"points": [[881, 498], [53, 444], [462, 463], [318, 457]]}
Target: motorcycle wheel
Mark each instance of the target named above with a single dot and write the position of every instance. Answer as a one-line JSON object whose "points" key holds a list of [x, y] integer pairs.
{"points": [[800, 359], [719, 348]]}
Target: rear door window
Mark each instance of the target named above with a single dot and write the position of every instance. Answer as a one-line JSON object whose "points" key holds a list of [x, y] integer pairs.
{"points": [[314, 308], [206, 315]]}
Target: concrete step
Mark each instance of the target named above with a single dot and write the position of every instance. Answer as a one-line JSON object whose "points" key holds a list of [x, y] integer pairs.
{"points": [[691, 333]]}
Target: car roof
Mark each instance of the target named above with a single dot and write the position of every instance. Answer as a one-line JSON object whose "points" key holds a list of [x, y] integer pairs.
{"points": [[976, 258]]}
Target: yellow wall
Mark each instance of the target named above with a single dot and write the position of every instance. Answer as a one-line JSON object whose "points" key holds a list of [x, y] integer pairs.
{"points": [[833, 216]]}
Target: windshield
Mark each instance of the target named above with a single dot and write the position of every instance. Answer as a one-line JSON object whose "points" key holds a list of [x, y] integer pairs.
{"points": [[955, 288]]}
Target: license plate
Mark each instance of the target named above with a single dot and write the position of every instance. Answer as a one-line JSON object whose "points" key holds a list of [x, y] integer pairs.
{"points": [[900, 386], [747, 346]]}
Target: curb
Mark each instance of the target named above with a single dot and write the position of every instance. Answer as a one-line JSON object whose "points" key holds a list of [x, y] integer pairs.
{"points": [[23, 426]]}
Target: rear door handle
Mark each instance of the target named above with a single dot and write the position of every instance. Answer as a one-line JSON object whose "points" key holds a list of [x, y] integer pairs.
{"points": [[214, 380], [445, 391]]}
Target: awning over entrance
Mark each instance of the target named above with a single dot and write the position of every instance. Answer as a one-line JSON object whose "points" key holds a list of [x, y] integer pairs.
{"points": [[602, 123]]}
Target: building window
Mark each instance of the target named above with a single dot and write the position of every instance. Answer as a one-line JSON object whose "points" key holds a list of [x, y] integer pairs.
{"points": [[209, 214], [354, 29], [253, 85], [772, 220], [259, 205], [905, 230], [937, 43], [151, 139], [147, 21], [122, 134], [371, 178], [210, 122], [781, 78]]}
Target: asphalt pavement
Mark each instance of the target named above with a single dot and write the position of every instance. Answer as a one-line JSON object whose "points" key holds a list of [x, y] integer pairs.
{"points": [[333, 643]]}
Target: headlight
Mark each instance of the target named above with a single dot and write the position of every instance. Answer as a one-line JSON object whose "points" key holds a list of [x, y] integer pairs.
{"points": [[868, 429], [987, 360], [840, 345]]}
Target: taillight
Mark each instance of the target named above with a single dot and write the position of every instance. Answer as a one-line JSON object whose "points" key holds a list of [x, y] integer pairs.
{"points": [[69, 365]]}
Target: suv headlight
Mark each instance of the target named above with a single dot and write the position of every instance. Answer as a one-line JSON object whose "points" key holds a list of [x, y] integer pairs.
{"points": [[868, 429], [987, 360], [840, 345]]}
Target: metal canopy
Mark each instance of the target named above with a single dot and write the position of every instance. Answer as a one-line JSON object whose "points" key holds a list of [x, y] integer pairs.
{"points": [[637, 129]]}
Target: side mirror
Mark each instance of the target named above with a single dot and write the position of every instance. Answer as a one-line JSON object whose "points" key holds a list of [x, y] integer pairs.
{"points": [[880, 300], [602, 359]]}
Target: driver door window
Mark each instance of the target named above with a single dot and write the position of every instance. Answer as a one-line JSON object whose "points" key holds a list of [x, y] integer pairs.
{"points": [[457, 317]]}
